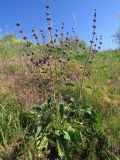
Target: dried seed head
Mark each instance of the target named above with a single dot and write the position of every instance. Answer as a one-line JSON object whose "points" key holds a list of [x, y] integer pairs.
{"points": [[49, 27], [33, 30], [73, 30], [61, 34], [66, 45], [18, 24], [31, 59], [48, 18], [47, 7], [91, 41], [100, 37], [95, 15], [90, 61], [56, 35], [43, 36], [36, 37], [41, 31], [44, 60], [21, 31], [40, 61], [94, 26], [25, 38], [34, 34], [94, 20], [36, 64], [47, 45], [68, 59], [28, 44], [94, 33], [47, 13], [62, 26], [99, 48]]}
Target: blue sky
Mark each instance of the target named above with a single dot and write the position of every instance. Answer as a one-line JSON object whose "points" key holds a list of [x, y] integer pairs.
{"points": [[32, 12]]}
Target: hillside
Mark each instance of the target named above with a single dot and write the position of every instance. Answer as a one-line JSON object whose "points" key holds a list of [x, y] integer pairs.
{"points": [[45, 111]]}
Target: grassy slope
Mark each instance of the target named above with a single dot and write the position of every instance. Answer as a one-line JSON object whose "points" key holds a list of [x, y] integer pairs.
{"points": [[101, 90]]}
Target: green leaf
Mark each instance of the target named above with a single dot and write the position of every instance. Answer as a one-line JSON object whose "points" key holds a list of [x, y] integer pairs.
{"points": [[72, 135], [57, 132], [66, 135], [71, 129], [43, 143], [61, 110], [30, 155], [60, 149], [47, 122], [49, 100], [38, 131], [63, 150]]}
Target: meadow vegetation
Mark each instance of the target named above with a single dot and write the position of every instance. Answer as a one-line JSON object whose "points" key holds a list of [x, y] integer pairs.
{"points": [[59, 99]]}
